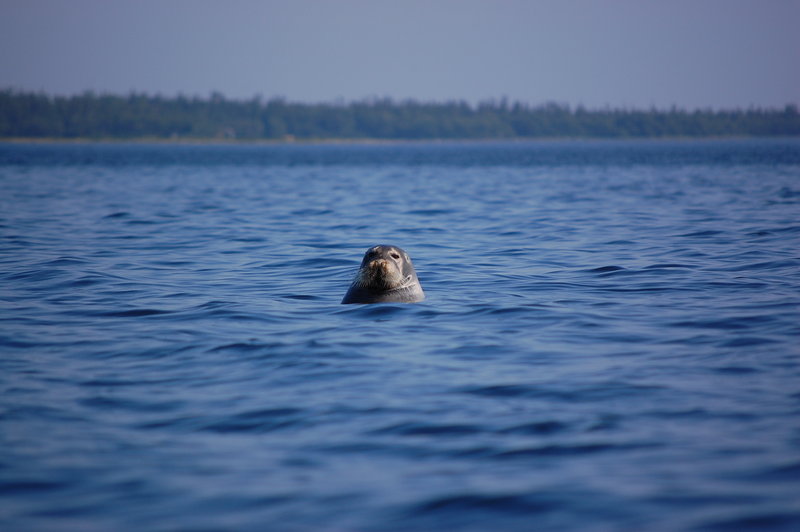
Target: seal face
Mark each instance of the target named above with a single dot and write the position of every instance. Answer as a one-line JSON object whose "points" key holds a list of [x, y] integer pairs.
{"points": [[386, 275]]}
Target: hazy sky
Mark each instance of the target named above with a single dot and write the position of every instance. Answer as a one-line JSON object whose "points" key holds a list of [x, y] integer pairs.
{"points": [[691, 53]]}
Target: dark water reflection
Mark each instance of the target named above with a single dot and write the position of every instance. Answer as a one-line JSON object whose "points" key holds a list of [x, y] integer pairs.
{"points": [[609, 340]]}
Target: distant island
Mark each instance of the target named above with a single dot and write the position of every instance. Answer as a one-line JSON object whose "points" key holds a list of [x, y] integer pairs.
{"points": [[32, 115]]}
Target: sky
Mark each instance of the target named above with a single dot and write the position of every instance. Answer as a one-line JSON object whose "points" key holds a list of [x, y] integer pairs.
{"points": [[617, 53]]}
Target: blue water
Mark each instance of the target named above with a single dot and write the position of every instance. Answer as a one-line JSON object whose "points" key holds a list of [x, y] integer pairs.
{"points": [[609, 340]]}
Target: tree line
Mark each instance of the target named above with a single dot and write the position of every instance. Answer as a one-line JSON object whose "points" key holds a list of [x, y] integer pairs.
{"points": [[135, 116]]}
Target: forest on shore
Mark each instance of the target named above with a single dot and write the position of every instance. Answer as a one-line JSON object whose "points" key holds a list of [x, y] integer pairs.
{"points": [[34, 115]]}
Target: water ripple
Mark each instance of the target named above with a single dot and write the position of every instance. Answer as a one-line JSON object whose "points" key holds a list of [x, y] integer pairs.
{"points": [[609, 339]]}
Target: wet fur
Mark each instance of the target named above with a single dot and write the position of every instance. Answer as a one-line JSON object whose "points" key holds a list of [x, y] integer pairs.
{"points": [[385, 279], [379, 275]]}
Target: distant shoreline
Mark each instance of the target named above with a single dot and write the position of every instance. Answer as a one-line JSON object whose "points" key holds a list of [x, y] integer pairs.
{"points": [[140, 117]]}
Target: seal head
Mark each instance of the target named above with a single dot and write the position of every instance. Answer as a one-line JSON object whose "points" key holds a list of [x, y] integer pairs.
{"points": [[386, 275]]}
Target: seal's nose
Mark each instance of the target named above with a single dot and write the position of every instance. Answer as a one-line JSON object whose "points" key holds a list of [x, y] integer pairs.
{"points": [[379, 263]]}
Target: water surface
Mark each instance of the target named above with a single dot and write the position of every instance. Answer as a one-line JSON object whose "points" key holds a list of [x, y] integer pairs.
{"points": [[609, 340]]}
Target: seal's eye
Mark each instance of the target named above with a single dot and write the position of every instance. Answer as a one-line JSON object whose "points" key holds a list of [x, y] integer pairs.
{"points": [[395, 255]]}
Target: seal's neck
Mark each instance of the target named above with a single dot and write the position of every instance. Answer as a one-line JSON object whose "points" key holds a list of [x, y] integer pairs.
{"points": [[408, 281]]}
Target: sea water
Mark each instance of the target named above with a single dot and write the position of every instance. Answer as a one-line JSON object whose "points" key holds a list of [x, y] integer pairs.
{"points": [[610, 339]]}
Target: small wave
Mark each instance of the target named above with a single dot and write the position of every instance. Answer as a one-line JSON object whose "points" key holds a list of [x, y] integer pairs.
{"points": [[702, 234], [37, 275], [503, 390], [250, 239], [117, 215], [17, 343], [494, 310], [568, 450], [737, 370], [605, 269], [470, 504], [423, 429], [667, 266], [311, 212], [172, 263], [64, 261], [214, 304], [731, 323], [243, 347], [255, 421], [20, 487], [219, 309], [771, 265], [118, 403], [137, 222], [789, 472], [536, 428], [747, 341], [595, 392], [756, 521], [649, 287], [787, 193], [302, 297], [86, 281], [102, 382], [787, 229], [430, 212], [375, 311], [136, 313]]}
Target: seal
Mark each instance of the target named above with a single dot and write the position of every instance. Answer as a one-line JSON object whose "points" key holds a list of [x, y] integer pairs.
{"points": [[386, 275]]}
